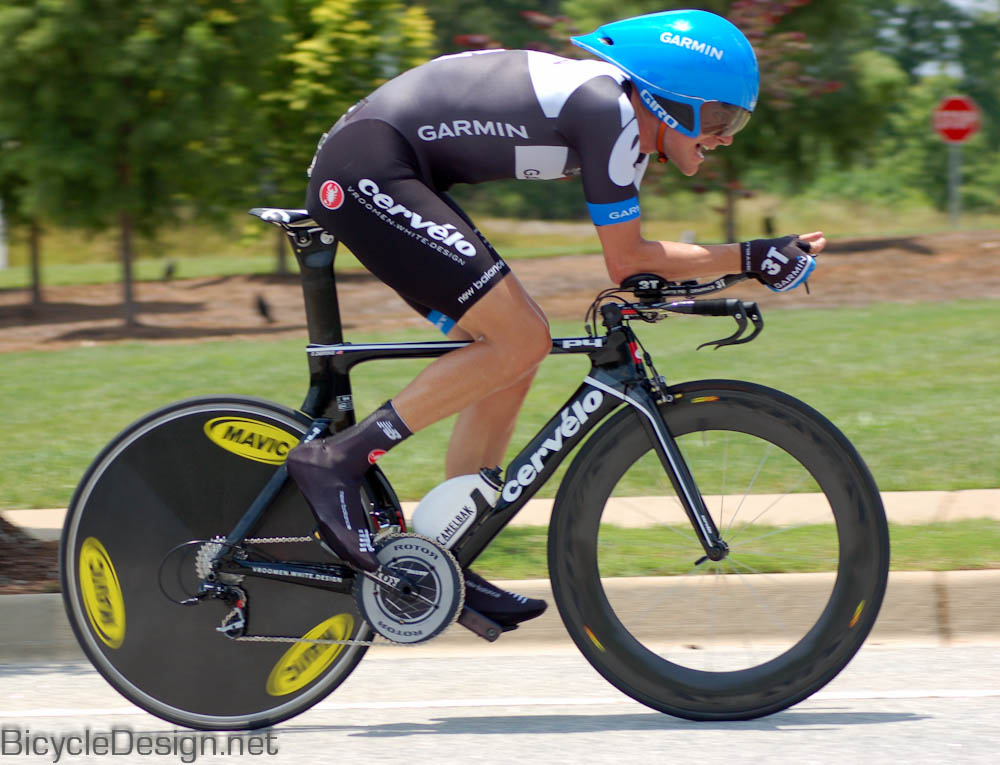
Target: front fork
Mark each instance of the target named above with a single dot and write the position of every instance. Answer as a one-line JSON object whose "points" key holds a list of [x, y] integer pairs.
{"points": [[680, 476], [645, 398]]}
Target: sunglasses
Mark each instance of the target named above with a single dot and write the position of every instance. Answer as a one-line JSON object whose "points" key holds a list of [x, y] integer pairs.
{"points": [[717, 118]]}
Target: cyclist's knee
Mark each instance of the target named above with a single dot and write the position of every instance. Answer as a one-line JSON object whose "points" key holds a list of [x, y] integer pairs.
{"points": [[508, 319], [537, 342], [523, 340]]}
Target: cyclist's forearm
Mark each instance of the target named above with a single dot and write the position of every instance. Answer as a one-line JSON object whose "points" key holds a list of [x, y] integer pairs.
{"points": [[675, 260]]}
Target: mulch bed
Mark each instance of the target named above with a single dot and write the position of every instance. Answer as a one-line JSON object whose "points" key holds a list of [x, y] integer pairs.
{"points": [[27, 565]]}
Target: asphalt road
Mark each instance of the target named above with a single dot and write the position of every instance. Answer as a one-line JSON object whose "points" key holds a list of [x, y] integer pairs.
{"points": [[904, 703]]}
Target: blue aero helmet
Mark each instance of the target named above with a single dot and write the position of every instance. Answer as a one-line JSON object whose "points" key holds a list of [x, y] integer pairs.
{"points": [[694, 70]]}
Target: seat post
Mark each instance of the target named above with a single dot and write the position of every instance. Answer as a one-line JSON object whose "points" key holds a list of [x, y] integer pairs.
{"points": [[315, 251], [329, 393]]}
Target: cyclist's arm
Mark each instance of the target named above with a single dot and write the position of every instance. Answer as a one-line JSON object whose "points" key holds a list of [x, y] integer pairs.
{"points": [[627, 253]]}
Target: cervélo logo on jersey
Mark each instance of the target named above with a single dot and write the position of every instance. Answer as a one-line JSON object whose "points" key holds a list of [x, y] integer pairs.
{"points": [[571, 419], [445, 234]]}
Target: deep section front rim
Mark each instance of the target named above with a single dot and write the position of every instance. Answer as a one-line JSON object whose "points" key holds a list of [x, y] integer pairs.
{"points": [[737, 638]]}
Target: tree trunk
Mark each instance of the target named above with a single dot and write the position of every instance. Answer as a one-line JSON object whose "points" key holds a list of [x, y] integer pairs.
{"points": [[732, 189], [35, 254], [281, 252], [125, 229]]}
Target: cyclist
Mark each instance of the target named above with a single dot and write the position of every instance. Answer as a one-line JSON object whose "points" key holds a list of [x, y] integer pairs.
{"points": [[678, 83]]}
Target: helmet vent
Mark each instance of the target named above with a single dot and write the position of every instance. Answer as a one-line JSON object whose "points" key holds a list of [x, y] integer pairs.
{"points": [[607, 41]]}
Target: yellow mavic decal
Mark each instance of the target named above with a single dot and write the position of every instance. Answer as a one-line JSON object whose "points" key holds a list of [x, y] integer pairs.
{"points": [[102, 593], [251, 439], [304, 662]]}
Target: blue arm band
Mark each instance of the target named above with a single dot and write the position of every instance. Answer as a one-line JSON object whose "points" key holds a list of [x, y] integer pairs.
{"points": [[616, 212]]}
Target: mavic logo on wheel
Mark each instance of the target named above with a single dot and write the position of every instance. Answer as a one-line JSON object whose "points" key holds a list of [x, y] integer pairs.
{"points": [[251, 439], [102, 593], [304, 662]]}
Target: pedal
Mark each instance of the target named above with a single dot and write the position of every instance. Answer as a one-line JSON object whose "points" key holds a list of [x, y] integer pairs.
{"points": [[475, 622]]}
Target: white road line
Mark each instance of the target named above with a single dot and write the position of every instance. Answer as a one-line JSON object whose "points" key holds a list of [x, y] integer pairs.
{"points": [[517, 701]]}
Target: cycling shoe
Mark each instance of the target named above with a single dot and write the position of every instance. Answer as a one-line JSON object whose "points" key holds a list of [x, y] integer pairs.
{"points": [[505, 608], [336, 502]]}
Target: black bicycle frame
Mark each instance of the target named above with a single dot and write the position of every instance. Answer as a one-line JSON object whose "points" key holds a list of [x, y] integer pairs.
{"points": [[617, 377]]}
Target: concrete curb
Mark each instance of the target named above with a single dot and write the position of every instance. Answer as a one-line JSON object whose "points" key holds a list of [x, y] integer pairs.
{"points": [[920, 606], [905, 507], [942, 607]]}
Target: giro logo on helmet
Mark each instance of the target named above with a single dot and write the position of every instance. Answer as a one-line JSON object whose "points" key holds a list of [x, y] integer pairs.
{"points": [[654, 106]]}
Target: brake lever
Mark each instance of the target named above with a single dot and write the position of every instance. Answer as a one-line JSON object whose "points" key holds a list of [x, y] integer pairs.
{"points": [[748, 310], [733, 339]]}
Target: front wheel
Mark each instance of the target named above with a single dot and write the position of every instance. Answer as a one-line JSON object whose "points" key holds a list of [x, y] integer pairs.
{"points": [[189, 472], [759, 630]]}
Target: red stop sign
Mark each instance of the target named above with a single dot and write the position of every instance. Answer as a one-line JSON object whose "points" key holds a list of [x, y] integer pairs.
{"points": [[956, 119]]}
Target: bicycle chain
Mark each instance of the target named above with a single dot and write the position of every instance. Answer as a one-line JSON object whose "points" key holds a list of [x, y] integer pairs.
{"points": [[280, 639]]}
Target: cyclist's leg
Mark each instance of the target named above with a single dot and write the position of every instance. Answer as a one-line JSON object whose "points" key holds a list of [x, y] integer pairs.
{"points": [[483, 430], [511, 339], [367, 189]]}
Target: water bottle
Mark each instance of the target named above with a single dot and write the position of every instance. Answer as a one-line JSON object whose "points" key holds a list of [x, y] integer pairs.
{"points": [[451, 508]]}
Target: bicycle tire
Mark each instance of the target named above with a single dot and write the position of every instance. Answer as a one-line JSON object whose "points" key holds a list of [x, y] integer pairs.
{"points": [[727, 641], [189, 471]]}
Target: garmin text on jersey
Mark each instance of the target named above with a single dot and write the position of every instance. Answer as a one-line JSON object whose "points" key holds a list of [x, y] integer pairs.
{"points": [[457, 128]]}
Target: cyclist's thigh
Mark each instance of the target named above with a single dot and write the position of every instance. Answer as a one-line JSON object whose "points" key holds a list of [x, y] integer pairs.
{"points": [[366, 189], [509, 317]]}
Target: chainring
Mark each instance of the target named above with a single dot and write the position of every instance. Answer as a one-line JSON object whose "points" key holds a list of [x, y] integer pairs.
{"points": [[429, 601]]}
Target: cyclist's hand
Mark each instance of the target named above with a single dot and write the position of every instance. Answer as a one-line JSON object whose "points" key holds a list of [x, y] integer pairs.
{"points": [[781, 264]]}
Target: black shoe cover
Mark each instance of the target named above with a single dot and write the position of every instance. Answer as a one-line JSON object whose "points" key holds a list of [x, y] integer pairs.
{"points": [[505, 608], [336, 501]]}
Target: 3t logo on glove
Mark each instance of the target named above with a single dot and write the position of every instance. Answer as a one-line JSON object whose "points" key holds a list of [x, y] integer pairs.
{"points": [[769, 266]]}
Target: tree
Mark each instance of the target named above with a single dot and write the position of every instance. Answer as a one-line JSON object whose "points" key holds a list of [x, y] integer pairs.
{"points": [[116, 105], [335, 53], [11, 215], [460, 25], [339, 51]]}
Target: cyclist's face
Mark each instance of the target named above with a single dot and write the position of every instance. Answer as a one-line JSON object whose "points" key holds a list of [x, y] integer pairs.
{"points": [[688, 153]]}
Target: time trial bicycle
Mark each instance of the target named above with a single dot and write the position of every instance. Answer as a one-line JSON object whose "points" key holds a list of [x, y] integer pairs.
{"points": [[196, 584]]}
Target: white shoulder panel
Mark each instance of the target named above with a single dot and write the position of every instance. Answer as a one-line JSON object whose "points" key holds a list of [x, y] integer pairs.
{"points": [[555, 79]]}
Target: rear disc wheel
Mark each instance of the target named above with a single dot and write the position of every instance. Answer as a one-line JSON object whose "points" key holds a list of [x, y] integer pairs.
{"points": [[189, 472]]}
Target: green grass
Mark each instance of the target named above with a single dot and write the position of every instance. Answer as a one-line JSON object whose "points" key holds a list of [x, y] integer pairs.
{"points": [[207, 266], [520, 552], [913, 386], [242, 244]]}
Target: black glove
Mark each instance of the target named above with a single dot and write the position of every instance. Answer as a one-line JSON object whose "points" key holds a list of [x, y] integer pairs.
{"points": [[780, 264]]}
